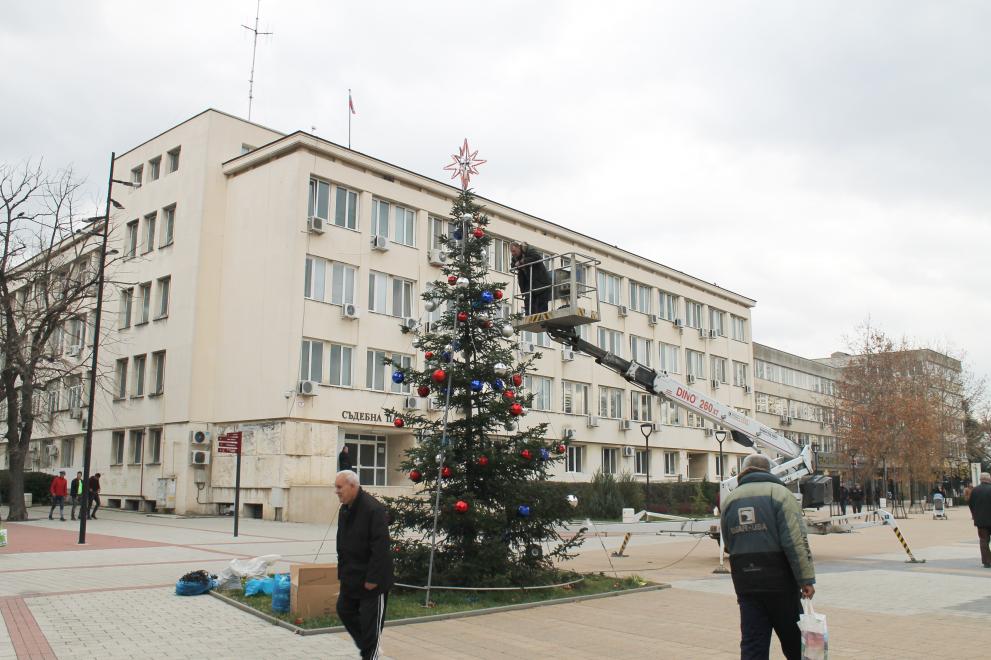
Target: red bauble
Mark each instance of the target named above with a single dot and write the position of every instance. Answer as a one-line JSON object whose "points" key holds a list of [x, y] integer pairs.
{"points": [[509, 395], [423, 390], [462, 317], [439, 376], [483, 460], [399, 422], [415, 476], [478, 233], [498, 294], [517, 380], [486, 324], [446, 472], [516, 410], [429, 355], [561, 449], [526, 454], [461, 506], [452, 279]]}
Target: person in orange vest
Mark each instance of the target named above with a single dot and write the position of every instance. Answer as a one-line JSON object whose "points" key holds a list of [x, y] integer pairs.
{"points": [[58, 489]]}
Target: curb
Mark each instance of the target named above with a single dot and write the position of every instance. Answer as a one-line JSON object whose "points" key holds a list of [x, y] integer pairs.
{"points": [[439, 617]]}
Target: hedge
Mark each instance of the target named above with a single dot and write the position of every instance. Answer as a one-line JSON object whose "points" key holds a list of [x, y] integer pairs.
{"points": [[606, 496], [36, 483]]}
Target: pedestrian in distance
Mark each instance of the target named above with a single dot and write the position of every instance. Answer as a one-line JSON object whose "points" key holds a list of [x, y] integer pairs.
{"points": [[770, 560], [364, 564], [980, 511], [532, 276], [844, 498], [58, 489], [344, 460], [857, 497], [76, 494], [94, 494]]}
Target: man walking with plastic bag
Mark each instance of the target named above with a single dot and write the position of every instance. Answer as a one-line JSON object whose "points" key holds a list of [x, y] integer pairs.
{"points": [[770, 560]]}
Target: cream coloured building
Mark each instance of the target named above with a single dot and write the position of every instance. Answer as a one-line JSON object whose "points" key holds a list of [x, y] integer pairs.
{"points": [[250, 267]]}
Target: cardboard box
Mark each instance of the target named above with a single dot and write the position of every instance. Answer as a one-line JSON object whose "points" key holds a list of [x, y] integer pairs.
{"points": [[314, 590]]}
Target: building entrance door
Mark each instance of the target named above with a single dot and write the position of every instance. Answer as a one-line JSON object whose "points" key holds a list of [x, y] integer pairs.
{"points": [[368, 454]]}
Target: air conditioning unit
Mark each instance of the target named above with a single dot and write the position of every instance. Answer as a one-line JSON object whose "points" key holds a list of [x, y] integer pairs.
{"points": [[625, 425], [690, 378], [380, 243], [349, 311], [85, 422], [199, 457], [678, 323], [652, 319], [747, 389], [569, 434], [199, 439], [76, 412], [527, 347], [715, 384], [788, 422], [628, 451], [73, 351], [307, 387], [435, 404], [713, 334], [411, 403], [314, 225], [567, 355], [708, 432], [437, 257], [703, 333], [592, 421], [410, 323], [51, 450], [623, 310]]}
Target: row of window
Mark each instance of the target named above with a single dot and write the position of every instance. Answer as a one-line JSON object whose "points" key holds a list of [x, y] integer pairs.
{"points": [[149, 232], [138, 380], [154, 167], [145, 445], [127, 314], [776, 405], [610, 456], [793, 377]]}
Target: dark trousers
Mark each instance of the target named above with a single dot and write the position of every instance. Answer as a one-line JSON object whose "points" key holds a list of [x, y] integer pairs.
{"points": [[761, 613], [857, 506], [76, 501], [984, 539], [843, 507], [363, 618], [538, 302], [58, 501], [94, 500]]}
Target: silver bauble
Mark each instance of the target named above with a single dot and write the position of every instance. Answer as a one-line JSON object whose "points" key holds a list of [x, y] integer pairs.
{"points": [[461, 283], [467, 217], [483, 255], [501, 369], [507, 331], [430, 305]]}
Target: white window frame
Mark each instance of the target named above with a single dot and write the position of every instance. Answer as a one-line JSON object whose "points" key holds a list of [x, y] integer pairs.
{"points": [[144, 312], [139, 371], [717, 321], [738, 327], [542, 390], [694, 363], [740, 375], [158, 373], [117, 448], [342, 375], [137, 446], [668, 309], [151, 221], [642, 406], [669, 354], [610, 288], [500, 259], [346, 207], [315, 278], [173, 160], [120, 379], [168, 226], [640, 297], [318, 204], [574, 397], [719, 369], [154, 168], [610, 460], [670, 413], [311, 360], [641, 349], [576, 459], [373, 474], [610, 340], [343, 281], [610, 402], [153, 455], [131, 240], [404, 225], [164, 292], [381, 215], [693, 313], [641, 460], [671, 461]]}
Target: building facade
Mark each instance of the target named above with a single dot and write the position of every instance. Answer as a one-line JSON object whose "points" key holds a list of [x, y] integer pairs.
{"points": [[263, 277]]}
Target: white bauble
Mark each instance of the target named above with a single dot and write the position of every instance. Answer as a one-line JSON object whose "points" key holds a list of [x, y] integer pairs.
{"points": [[483, 255], [461, 283], [572, 500], [430, 305], [467, 217], [507, 331], [501, 369]]}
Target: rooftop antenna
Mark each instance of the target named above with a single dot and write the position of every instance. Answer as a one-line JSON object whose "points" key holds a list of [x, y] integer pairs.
{"points": [[254, 49]]}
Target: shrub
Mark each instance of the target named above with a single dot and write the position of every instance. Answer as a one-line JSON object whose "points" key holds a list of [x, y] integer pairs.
{"points": [[36, 483]]}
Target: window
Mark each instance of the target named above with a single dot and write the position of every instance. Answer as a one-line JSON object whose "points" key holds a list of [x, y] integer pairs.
{"points": [[378, 373], [641, 407], [168, 225], [693, 314], [154, 454], [695, 421], [611, 340], [145, 311], [499, 257], [669, 357], [541, 389], [158, 372], [126, 302], [342, 278], [405, 229], [610, 402], [609, 288], [138, 386], [311, 360], [314, 278], [642, 462], [172, 162], [340, 365], [404, 363], [740, 373], [739, 464], [137, 446], [380, 218], [149, 242], [117, 448], [74, 334], [67, 452], [669, 306], [368, 455], [576, 458], [717, 322], [574, 397], [639, 297], [390, 295], [136, 175], [738, 326], [610, 460], [319, 200], [719, 467], [154, 168], [670, 413], [73, 392], [120, 379], [694, 363], [439, 228], [164, 289], [670, 463], [131, 240], [719, 369], [345, 208], [640, 349], [541, 339]]}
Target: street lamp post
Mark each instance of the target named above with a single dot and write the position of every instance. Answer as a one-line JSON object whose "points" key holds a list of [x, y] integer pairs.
{"points": [[720, 437], [646, 429]]}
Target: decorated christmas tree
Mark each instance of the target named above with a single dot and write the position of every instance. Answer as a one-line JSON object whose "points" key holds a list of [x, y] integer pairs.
{"points": [[482, 507]]}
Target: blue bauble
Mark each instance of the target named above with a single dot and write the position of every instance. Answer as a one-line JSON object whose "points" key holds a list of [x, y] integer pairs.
{"points": [[475, 304], [398, 377], [523, 511], [446, 355], [544, 455], [497, 385], [476, 386], [487, 297], [458, 234], [456, 344]]}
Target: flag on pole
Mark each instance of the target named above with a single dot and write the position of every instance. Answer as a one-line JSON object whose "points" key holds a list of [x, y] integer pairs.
{"points": [[351, 103]]}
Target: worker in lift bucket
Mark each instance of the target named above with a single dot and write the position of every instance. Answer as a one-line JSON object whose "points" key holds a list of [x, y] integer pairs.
{"points": [[531, 273]]}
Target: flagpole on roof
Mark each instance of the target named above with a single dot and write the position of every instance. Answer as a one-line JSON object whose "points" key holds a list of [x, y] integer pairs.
{"points": [[350, 112]]}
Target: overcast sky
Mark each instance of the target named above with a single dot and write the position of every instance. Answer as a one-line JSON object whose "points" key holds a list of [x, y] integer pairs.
{"points": [[829, 160]]}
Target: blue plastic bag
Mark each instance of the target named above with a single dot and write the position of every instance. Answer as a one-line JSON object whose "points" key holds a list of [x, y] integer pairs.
{"points": [[257, 586], [281, 593], [189, 588]]}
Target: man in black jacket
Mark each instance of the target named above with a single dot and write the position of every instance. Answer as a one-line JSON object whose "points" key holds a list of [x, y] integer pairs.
{"points": [[531, 273], [980, 510], [364, 563]]}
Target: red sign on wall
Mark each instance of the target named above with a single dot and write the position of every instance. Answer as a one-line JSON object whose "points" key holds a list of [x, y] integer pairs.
{"points": [[229, 443]]}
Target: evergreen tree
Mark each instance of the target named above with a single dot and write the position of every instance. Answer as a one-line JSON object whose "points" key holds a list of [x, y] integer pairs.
{"points": [[495, 511]]}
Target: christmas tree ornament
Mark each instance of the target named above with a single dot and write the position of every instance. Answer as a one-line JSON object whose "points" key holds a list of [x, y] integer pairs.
{"points": [[561, 449], [462, 317], [430, 305], [509, 395], [476, 304], [467, 217], [446, 355], [452, 279], [523, 511], [497, 294], [572, 500], [399, 422], [501, 369], [398, 377], [483, 254], [507, 331], [544, 454], [517, 379], [476, 386], [429, 355], [461, 282], [423, 390], [524, 411], [487, 297], [526, 453], [439, 375], [478, 233], [486, 324], [458, 234], [456, 345], [497, 385], [446, 472], [483, 460], [415, 476], [461, 506]]}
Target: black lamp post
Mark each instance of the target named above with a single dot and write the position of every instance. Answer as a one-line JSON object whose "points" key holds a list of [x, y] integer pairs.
{"points": [[720, 437], [646, 429]]}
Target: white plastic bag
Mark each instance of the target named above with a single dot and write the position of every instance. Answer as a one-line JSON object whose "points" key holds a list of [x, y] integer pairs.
{"points": [[815, 636], [230, 578]]}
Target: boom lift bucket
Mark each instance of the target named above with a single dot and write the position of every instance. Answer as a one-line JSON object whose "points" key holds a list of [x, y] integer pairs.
{"points": [[574, 298]]}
